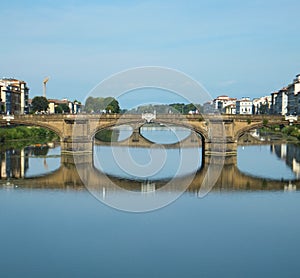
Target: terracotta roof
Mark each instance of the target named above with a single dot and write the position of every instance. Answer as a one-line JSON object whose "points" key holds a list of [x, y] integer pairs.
{"points": [[58, 101]]}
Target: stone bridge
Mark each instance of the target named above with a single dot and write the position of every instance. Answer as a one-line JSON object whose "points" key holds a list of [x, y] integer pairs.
{"points": [[219, 133]]}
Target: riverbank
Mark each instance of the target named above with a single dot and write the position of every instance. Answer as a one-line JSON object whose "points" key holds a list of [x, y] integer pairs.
{"points": [[271, 135], [22, 136], [287, 133]]}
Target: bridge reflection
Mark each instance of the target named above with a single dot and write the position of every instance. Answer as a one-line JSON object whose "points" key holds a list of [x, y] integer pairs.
{"points": [[69, 176]]}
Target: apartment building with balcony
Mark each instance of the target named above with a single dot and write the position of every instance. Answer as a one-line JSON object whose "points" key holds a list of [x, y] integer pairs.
{"points": [[244, 106], [279, 102], [13, 96], [293, 91]]}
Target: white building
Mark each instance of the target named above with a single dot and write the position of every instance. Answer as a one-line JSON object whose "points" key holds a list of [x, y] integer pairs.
{"points": [[244, 106], [280, 102], [225, 104], [230, 109], [14, 96], [293, 91]]}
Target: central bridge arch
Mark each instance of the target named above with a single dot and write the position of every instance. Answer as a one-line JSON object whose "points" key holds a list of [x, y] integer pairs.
{"points": [[136, 138]]}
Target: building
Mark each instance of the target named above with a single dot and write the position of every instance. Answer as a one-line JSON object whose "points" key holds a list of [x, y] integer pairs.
{"points": [[279, 102], [225, 104], [74, 107], [293, 91], [13, 96], [273, 109], [244, 106], [262, 105], [230, 109]]}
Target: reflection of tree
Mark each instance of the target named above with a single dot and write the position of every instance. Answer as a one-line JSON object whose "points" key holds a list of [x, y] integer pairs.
{"points": [[108, 135], [40, 151]]}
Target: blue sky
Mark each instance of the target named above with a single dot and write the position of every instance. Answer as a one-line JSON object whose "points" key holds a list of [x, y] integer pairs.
{"points": [[238, 48]]}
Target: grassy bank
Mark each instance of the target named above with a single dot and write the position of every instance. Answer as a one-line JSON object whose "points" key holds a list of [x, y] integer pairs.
{"points": [[288, 133], [22, 135]]}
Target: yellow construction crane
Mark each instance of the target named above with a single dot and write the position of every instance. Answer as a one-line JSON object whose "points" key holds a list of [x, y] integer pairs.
{"points": [[44, 85]]}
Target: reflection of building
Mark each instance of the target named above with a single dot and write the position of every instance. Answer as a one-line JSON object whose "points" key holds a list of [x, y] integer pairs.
{"points": [[13, 163], [148, 187], [290, 187], [13, 96], [279, 150], [290, 153]]}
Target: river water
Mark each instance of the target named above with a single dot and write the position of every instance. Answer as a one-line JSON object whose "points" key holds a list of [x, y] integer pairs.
{"points": [[247, 226]]}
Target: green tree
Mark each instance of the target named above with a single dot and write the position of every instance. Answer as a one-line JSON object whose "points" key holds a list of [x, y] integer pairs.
{"points": [[62, 108], [89, 105], [178, 107], [112, 105], [39, 104], [99, 104], [264, 109], [189, 107]]}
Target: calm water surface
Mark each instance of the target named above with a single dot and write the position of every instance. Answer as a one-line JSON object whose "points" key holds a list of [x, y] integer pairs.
{"points": [[66, 232], [270, 161], [148, 162], [48, 233]]}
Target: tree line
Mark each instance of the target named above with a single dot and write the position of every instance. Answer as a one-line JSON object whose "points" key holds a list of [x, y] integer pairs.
{"points": [[175, 108], [111, 105], [101, 105], [40, 104]]}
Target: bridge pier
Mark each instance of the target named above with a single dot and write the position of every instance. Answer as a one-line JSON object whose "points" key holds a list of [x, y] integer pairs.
{"points": [[72, 159], [135, 137], [220, 148], [76, 137], [76, 145], [219, 160]]}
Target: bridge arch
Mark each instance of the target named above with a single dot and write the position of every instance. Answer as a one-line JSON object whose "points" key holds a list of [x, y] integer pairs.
{"points": [[136, 125]]}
